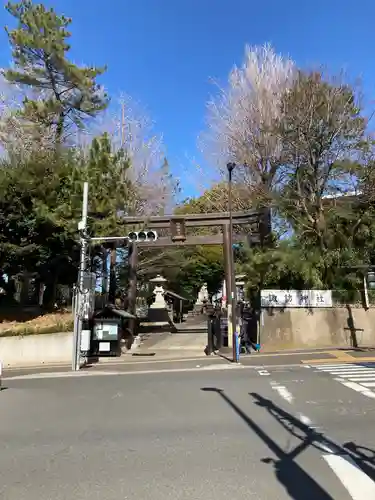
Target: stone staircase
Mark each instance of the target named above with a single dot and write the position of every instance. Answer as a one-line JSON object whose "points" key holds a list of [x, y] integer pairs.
{"points": [[187, 337], [194, 323], [195, 312]]}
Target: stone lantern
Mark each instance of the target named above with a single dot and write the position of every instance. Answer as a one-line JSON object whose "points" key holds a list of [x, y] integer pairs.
{"points": [[202, 295], [159, 291]]}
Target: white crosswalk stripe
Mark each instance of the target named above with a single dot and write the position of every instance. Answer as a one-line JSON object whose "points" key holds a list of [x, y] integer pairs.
{"points": [[360, 378]]}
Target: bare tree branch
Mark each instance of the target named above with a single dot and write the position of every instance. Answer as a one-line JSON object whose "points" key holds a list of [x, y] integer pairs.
{"points": [[19, 137], [241, 118], [132, 130]]}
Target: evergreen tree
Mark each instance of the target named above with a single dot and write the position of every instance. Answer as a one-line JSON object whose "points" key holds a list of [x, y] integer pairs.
{"points": [[68, 94], [41, 204]]}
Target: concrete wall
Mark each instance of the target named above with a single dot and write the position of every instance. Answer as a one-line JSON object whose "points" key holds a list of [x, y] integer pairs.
{"points": [[280, 329], [34, 350], [300, 328]]}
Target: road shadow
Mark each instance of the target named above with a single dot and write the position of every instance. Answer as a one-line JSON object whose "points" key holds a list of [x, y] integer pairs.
{"points": [[311, 437], [224, 356], [352, 328], [143, 354], [298, 483], [364, 454]]}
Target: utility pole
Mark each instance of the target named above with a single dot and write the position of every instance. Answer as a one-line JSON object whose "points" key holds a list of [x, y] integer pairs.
{"points": [[79, 303], [132, 290], [104, 256], [112, 275], [228, 281], [232, 303]]}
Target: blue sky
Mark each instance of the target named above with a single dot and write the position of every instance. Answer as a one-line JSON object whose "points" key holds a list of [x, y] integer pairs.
{"points": [[166, 52]]}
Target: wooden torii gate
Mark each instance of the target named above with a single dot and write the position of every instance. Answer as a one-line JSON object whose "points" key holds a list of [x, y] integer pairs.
{"points": [[258, 222]]}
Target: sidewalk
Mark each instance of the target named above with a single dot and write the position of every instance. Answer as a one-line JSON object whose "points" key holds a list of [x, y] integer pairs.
{"points": [[159, 356]]}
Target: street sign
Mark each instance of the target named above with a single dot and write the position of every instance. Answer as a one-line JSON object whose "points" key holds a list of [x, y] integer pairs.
{"points": [[296, 298]]}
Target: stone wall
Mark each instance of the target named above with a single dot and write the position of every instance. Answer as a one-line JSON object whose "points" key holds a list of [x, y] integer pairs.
{"points": [[300, 328]]}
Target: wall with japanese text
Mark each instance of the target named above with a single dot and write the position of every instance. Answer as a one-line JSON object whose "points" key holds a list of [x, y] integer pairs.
{"points": [[294, 328]]}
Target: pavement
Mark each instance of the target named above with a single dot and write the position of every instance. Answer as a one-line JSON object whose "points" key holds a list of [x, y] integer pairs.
{"points": [[165, 359], [191, 341], [267, 429]]}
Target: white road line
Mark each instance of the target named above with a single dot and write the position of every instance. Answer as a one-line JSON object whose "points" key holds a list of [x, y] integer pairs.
{"points": [[330, 367], [357, 387], [326, 448], [121, 373], [368, 384], [361, 379], [356, 373], [265, 373], [343, 370], [348, 368], [305, 420], [366, 367], [352, 385], [354, 370], [287, 366], [354, 376], [356, 482], [283, 392], [79, 374]]}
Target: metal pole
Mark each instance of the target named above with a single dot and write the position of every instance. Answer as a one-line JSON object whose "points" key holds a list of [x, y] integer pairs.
{"points": [[82, 268], [210, 343], [218, 332], [132, 291], [228, 281], [112, 276], [365, 290], [75, 326], [104, 272], [232, 278]]}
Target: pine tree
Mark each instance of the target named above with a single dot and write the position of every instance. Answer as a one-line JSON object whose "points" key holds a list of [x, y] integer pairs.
{"points": [[68, 94]]}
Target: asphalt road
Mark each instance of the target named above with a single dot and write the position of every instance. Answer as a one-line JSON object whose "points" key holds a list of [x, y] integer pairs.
{"points": [[207, 432]]}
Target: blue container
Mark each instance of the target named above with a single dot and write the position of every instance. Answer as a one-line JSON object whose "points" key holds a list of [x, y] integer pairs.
{"points": [[238, 346]]}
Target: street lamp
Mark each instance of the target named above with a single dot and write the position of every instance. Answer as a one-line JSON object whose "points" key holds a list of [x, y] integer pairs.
{"points": [[232, 324]]}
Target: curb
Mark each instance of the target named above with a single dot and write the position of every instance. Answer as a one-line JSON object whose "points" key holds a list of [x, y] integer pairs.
{"points": [[83, 374], [136, 360], [171, 355]]}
